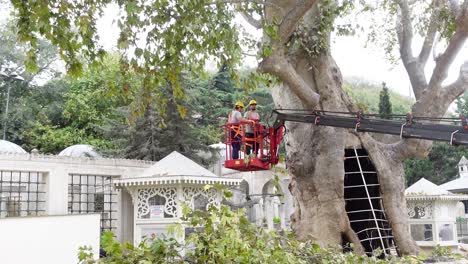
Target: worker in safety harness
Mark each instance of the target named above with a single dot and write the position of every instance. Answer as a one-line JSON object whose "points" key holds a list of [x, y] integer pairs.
{"points": [[236, 134], [250, 137]]}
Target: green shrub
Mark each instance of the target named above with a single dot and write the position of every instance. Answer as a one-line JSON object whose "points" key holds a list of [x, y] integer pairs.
{"points": [[276, 220], [222, 235], [226, 237]]}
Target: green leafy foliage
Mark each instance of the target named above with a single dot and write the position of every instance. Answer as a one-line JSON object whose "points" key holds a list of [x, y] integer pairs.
{"points": [[80, 107], [212, 101], [378, 19], [96, 109], [155, 135], [441, 164], [462, 105], [225, 236], [366, 96], [439, 167], [14, 54], [159, 41], [27, 99], [315, 39]]}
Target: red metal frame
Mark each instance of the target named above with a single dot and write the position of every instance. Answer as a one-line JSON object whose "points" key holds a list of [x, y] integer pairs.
{"points": [[267, 139]]}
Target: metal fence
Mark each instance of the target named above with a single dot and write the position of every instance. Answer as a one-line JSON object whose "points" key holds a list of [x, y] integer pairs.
{"points": [[93, 194], [462, 230], [22, 193]]}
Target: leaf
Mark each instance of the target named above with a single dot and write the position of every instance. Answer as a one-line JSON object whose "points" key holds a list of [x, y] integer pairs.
{"points": [[138, 52]]}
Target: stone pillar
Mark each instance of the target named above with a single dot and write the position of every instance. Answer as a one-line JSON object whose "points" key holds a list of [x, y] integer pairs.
{"points": [[260, 212], [269, 213], [283, 216], [57, 191], [276, 206]]}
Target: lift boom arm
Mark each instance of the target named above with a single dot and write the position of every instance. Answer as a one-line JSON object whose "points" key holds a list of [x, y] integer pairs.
{"points": [[450, 130]]}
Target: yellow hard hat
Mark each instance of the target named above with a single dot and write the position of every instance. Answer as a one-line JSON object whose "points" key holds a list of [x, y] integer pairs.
{"points": [[241, 104], [252, 102]]}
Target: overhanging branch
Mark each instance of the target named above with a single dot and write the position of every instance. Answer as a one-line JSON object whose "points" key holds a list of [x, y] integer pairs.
{"points": [[444, 61], [292, 18], [430, 35], [405, 31], [434, 103], [279, 66], [414, 66], [256, 23], [456, 43], [457, 88]]}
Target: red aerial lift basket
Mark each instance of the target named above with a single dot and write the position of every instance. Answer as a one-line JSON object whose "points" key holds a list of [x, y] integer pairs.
{"points": [[263, 144]]}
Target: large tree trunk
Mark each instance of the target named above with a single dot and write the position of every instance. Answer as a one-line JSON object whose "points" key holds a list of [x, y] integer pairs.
{"points": [[390, 171], [316, 163], [315, 158], [315, 154]]}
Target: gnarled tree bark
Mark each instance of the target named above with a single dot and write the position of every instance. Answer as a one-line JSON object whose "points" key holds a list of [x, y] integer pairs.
{"points": [[315, 154]]}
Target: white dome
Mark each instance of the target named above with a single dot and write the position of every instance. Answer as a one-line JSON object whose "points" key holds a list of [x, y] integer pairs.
{"points": [[9, 147], [80, 151]]}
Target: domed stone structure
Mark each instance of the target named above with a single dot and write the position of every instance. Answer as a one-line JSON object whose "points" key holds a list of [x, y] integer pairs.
{"points": [[9, 147], [80, 151]]}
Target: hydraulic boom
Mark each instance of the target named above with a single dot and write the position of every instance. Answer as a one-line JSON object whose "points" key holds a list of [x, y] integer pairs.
{"points": [[452, 130], [266, 140]]}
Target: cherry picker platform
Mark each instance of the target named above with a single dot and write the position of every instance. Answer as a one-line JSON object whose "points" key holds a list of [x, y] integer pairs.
{"points": [[267, 139]]}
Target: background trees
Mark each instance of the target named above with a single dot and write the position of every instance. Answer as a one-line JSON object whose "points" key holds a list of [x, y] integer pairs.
{"points": [[385, 106]]}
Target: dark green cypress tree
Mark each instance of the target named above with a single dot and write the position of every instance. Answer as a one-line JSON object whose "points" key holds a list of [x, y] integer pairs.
{"points": [[156, 135], [385, 106]]}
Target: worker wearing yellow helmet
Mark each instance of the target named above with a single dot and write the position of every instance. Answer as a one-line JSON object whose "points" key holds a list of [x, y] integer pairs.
{"points": [[235, 117], [250, 137]]}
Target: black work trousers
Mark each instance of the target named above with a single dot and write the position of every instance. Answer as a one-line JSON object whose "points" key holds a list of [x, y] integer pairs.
{"points": [[251, 144], [236, 144]]}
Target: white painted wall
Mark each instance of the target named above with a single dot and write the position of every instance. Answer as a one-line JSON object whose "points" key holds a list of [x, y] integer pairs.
{"points": [[47, 239], [56, 170]]}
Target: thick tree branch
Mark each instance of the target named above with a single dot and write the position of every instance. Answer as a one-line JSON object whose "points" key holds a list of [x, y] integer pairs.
{"points": [[454, 7], [430, 35], [292, 18], [279, 66], [457, 88], [291, 12], [256, 23], [405, 31], [444, 61], [411, 148], [434, 103], [435, 99], [456, 43], [414, 66], [434, 47]]}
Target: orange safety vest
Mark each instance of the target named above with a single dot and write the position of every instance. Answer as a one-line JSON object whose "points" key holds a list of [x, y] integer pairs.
{"points": [[249, 116], [235, 128]]}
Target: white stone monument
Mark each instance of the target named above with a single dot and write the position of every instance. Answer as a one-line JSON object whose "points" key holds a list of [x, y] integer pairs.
{"points": [[158, 193], [432, 212]]}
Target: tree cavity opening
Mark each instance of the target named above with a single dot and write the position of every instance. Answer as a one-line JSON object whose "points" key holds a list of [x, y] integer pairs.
{"points": [[364, 203]]}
